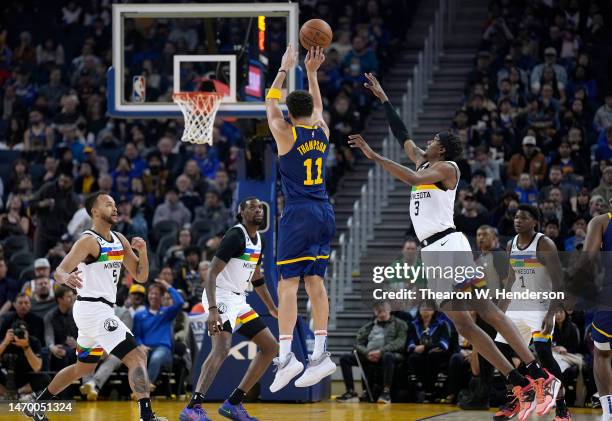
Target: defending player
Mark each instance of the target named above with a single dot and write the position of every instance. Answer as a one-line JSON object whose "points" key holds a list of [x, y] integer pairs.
{"points": [[236, 263], [599, 238], [534, 261], [93, 268], [431, 211], [307, 225]]}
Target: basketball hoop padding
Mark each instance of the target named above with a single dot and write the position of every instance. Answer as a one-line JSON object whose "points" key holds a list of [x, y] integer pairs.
{"points": [[199, 110]]}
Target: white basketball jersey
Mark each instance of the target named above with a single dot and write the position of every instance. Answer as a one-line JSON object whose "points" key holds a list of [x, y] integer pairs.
{"points": [[432, 206], [237, 274], [529, 273], [101, 276]]}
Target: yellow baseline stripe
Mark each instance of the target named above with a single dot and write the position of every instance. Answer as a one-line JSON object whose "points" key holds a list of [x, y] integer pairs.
{"points": [[297, 259], [607, 335]]}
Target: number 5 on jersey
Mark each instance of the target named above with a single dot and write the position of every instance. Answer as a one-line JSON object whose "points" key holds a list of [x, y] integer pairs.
{"points": [[308, 164]]}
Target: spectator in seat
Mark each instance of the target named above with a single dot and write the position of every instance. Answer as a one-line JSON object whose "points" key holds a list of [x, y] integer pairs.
{"points": [[530, 160], [61, 330], [362, 56], [155, 177], [136, 299], [550, 60], [380, 346], [570, 162], [527, 193], [221, 183], [187, 275], [54, 205], [153, 327], [131, 224], [187, 196], [605, 186], [42, 269], [483, 193], [14, 221], [9, 288], [603, 152], [603, 115], [176, 254], [492, 258], [555, 180], [552, 231], [469, 219], [172, 209], [483, 163], [428, 346], [410, 258], [566, 346], [170, 160], [576, 241], [213, 210], [42, 300]]}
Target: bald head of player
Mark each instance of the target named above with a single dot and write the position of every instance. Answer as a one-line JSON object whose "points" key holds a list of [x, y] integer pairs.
{"points": [[250, 212], [526, 219], [445, 146], [102, 209]]}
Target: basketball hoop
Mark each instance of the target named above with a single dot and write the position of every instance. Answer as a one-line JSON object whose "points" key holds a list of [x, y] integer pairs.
{"points": [[199, 110]]}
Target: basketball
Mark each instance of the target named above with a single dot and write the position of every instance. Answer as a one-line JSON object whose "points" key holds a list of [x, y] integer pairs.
{"points": [[315, 32]]}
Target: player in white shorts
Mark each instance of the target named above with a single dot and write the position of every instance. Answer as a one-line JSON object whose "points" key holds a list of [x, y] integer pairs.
{"points": [[434, 185], [533, 262], [236, 265], [93, 268]]}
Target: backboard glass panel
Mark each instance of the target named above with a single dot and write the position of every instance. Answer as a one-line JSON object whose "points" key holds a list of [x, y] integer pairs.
{"points": [[159, 49]]}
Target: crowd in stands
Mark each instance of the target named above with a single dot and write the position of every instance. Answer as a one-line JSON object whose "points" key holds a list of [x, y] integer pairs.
{"points": [[57, 145]]}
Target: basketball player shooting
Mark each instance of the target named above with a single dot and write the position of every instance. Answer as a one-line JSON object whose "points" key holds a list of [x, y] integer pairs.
{"points": [[236, 263], [599, 238], [93, 268], [431, 211], [307, 225]]}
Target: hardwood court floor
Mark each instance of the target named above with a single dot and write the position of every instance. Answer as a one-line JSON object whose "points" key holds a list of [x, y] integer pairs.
{"points": [[322, 411]]}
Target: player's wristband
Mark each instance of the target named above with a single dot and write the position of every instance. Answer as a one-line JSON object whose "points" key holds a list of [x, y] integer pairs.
{"points": [[273, 93], [259, 282], [283, 70], [211, 307]]}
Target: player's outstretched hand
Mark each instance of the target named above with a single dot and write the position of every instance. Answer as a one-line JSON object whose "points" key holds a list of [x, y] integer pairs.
{"points": [[289, 59], [374, 86], [356, 141], [139, 244], [214, 322], [314, 58], [73, 280]]}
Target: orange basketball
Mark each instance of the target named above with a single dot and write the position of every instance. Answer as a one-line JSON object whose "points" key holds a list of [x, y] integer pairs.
{"points": [[315, 32]]}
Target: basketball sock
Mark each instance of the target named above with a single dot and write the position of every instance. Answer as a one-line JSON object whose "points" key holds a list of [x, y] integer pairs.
{"points": [[45, 395], [197, 398], [144, 405], [535, 371], [285, 346], [522, 368], [319, 345], [236, 397], [517, 379], [606, 406]]}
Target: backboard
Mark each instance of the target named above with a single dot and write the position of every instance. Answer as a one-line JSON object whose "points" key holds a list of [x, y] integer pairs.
{"points": [[159, 49]]}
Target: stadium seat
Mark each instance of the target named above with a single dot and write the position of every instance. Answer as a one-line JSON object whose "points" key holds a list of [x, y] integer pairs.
{"points": [[14, 244], [164, 244], [26, 274], [160, 230], [18, 262], [203, 228]]}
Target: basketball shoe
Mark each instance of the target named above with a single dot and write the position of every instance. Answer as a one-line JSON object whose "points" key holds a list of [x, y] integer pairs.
{"points": [[195, 413], [546, 390], [317, 370], [286, 370], [235, 412]]}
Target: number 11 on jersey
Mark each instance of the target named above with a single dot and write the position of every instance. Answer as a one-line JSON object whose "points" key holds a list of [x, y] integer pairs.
{"points": [[308, 164]]}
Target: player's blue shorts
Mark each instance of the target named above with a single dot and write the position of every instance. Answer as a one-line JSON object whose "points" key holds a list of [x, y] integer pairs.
{"points": [[305, 232], [602, 330]]}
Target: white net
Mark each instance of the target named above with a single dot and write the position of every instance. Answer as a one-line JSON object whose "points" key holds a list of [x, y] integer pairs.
{"points": [[199, 110]]}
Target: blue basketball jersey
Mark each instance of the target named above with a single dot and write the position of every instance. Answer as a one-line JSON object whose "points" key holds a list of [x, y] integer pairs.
{"points": [[303, 167]]}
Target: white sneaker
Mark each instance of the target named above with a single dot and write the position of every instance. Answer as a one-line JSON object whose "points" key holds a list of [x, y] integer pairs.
{"points": [[286, 371], [316, 371], [89, 390]]}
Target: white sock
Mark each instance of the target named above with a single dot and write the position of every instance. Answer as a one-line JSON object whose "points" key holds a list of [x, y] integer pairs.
{"points": [[319, 345], [606, 406], [285, 346]]}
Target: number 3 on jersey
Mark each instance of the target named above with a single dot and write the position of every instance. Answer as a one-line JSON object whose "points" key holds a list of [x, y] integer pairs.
{"points": [[308, 164]]}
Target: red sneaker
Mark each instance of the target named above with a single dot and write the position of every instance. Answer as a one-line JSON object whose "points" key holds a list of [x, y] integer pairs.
{"points": [[526, 398], [509, 410], [546, 390]]}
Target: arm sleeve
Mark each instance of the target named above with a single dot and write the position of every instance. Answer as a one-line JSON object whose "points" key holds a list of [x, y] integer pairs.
{"points": [[232, 245], [397, 125]]}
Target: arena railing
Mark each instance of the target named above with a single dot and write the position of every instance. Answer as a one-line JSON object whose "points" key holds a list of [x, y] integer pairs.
{"points": [[345, 261]]}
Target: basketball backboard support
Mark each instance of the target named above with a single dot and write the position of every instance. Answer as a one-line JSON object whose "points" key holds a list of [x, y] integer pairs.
{"points": [[159, 49]]}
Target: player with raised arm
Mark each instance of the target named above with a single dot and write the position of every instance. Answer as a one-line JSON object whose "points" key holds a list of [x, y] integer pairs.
{"points": [[93, 269], [598, 239], [534, 261], [307, 225], [236, 263], [434, 186]]}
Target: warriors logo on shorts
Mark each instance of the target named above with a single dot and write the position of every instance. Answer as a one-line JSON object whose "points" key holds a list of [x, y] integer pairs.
{"points": [[110, 324]]}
